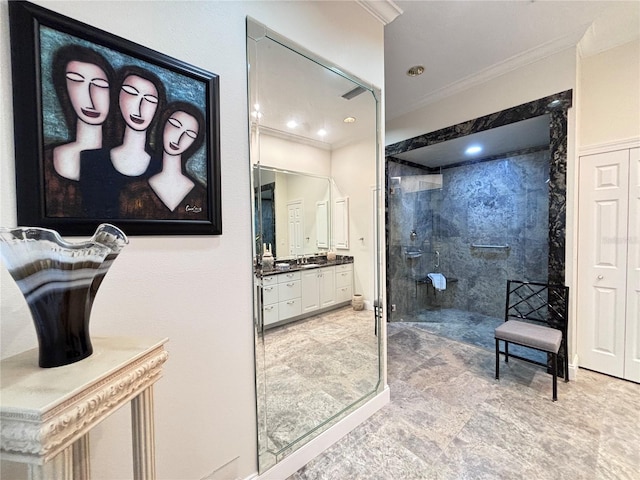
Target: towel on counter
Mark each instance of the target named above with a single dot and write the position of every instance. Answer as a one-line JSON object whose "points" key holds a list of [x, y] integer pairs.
{"points": [[438, 281]]}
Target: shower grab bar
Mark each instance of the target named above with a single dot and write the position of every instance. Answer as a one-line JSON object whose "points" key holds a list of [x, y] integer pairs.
{"points": [[476, 245]]}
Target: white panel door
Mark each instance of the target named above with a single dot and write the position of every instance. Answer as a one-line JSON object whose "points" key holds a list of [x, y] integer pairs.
{"points": [[295, 216], [632, 350], [602, 261]]}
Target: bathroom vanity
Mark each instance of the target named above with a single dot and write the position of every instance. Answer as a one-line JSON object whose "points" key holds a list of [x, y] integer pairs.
{"points": [[300, 291]]}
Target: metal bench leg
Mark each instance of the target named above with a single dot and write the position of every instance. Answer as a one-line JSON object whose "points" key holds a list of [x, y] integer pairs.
{"points": [[497, 359], [554, 367], [506, 351]]}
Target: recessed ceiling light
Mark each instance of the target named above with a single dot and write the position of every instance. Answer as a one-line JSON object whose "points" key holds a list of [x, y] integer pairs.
{"points": [[473, 149], [322, 132], [292, 124], [415, 71], [349, 120]]}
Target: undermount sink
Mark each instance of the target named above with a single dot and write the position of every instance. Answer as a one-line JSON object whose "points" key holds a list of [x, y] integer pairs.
{"points": [[310, 265]]}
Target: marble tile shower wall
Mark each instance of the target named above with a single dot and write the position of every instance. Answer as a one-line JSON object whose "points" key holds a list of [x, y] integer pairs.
{"points": [[497, 202]]}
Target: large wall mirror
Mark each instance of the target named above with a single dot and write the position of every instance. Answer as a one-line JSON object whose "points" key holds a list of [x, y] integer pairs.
{"points": [[314, 133]]}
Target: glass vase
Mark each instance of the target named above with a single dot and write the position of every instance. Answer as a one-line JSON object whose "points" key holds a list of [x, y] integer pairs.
{"points": [[59, 281]]}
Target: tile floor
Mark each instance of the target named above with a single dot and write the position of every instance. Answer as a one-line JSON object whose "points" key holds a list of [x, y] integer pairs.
{"points": [[450, 419], [314, 369], [468, 327]]}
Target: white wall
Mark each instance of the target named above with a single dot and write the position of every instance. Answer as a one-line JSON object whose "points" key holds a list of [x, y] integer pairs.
{"points": [[550, 75], [194, 290], [609, 95], [289, 155], [352, 169]]}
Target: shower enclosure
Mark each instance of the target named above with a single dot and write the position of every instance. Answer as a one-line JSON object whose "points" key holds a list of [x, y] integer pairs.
{"points": [[458, 232]]}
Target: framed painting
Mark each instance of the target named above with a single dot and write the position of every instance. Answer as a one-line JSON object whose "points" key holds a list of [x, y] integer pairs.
{"points": [[107, 130]]}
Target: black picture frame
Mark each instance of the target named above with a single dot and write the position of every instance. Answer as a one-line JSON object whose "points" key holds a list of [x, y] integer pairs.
{"points": [[76, 204]]}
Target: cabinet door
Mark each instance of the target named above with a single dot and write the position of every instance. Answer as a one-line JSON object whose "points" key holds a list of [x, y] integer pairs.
{"points": [[602, 261], [632, 346], [341, 223], [310, 291], [327, 286]]}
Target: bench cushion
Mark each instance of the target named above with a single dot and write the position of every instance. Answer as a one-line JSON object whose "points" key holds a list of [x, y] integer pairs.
{"points": [[530, 335]]}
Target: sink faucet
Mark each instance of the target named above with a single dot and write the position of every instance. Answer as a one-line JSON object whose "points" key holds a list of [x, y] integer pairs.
{"points": [[437, 259]]}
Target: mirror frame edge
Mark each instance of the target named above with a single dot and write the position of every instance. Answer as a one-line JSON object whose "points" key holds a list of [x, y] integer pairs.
{"points": [[257, 31]]}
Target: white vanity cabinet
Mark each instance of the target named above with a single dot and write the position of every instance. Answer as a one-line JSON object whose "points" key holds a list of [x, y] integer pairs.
{"points": [[280, 297], [318, 288], [300, 293], [344, 282]]}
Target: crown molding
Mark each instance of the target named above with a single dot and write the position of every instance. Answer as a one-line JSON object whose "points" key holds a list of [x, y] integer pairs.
{"points": [[611, 146], [494, 71], [385, 11]]}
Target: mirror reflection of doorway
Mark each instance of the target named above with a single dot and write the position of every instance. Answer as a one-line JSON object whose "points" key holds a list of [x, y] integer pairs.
{"points": [[295, 219], [267, 198]]}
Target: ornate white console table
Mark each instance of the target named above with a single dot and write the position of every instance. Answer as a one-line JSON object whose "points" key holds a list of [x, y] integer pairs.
{"points": [[46, 413]]}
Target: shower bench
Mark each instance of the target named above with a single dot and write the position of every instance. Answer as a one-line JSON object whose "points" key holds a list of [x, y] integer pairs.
{"points": [[424, 280]]}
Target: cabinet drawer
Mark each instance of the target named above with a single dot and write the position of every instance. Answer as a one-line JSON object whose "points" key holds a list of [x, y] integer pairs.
{"points": [[270, 314], [269, 294], [288, 290], [344, 279], [288, 309], [343, 294], [269, 280], [288, 277], [345, 267]]}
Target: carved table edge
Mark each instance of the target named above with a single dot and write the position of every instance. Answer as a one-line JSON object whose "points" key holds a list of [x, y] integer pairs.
{"points": [[35, 439]]}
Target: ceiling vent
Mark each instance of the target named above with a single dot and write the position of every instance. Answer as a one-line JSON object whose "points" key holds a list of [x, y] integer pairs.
{"points": [[353, 93]]}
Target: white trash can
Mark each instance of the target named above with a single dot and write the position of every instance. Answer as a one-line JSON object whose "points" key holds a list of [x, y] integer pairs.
{"points": [[357, 302]]}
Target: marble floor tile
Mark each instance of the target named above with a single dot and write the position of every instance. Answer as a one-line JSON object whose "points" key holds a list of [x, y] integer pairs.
{"points": [[313, 370], [449, 419]]}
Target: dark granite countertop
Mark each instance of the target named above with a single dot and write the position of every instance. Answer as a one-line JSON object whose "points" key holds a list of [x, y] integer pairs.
{"points": [[312, 263]]}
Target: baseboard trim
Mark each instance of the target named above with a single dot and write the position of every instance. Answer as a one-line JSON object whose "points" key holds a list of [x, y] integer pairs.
{"points": [[294, 462], [573, 372]]}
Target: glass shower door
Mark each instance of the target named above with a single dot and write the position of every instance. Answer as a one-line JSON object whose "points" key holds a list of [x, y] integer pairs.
{"points": [[486, 222]]}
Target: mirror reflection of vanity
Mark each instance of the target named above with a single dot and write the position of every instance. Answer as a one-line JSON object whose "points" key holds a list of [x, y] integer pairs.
{"points": [[314, 152]]}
